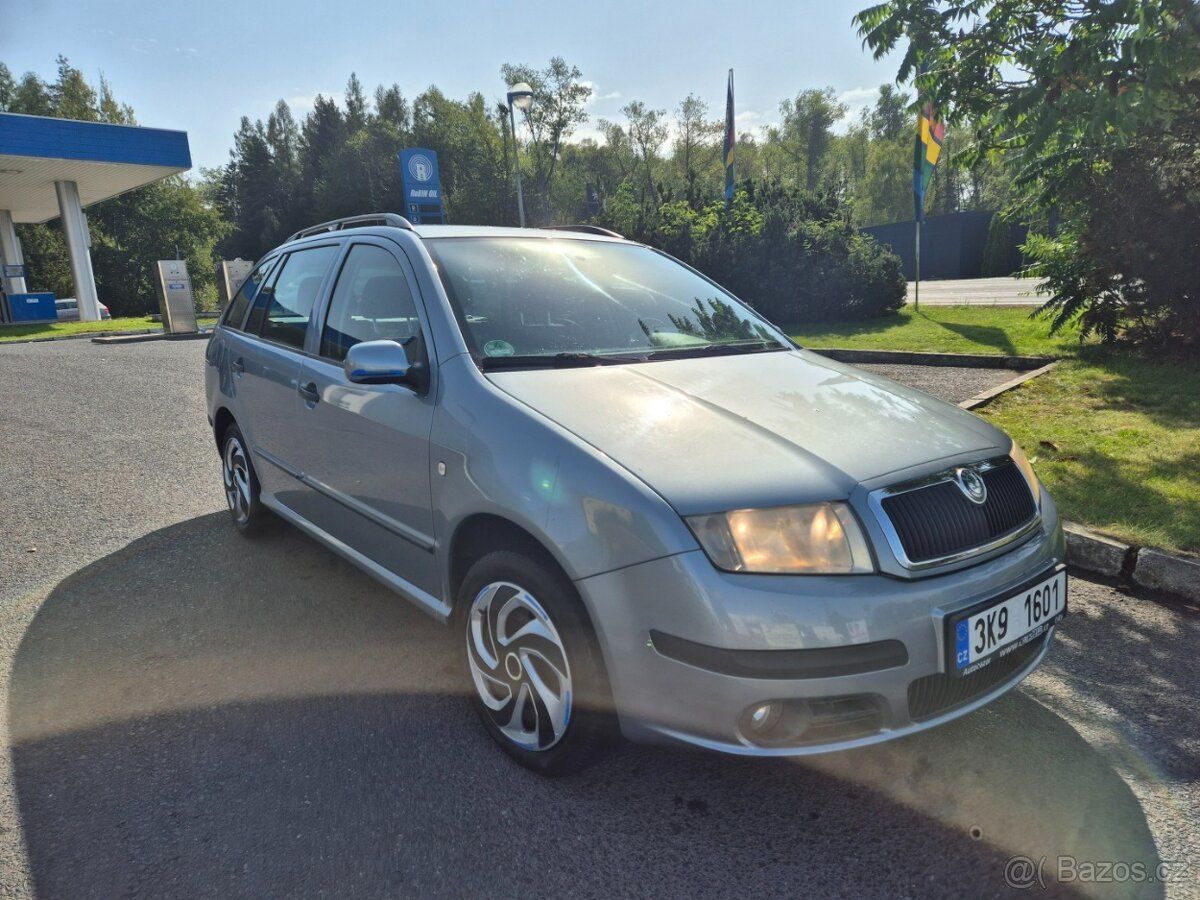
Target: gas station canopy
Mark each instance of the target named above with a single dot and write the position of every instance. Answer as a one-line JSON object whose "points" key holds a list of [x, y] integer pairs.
{"points": [[103, 160], [51, 168]]}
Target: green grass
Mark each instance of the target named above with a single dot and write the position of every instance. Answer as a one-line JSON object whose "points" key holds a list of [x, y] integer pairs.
{"points": [[1116, 439], [1007, 331], [58, 329], [1115, 436]]}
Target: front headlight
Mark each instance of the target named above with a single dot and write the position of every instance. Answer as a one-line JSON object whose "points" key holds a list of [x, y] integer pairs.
{"points": [[1022, 462], [813, 539]]}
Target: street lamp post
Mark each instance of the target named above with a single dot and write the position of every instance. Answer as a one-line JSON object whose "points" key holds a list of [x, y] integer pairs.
{"points": [[520, 96]]}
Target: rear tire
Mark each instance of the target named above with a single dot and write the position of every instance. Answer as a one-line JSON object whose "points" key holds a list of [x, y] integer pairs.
{"points": [[242, 491], [535, 674]]}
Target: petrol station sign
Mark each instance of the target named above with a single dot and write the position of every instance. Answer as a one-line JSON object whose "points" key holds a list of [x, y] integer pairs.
{"points": [[422, 186]]}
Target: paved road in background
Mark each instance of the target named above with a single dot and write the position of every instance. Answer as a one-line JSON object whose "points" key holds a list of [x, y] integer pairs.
{"points": [[978, 292], [191, 714]]}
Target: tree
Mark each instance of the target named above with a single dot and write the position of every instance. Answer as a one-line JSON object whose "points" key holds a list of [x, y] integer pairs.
{"points": [[110, 110], [8, 87], [468, 138], [559, 106], [356, 104], [156, 222], [32, 97], [886, 192], [1067, 95], [71, 96], [889, 119], [696, 147], [806, 132], [647, 131]]}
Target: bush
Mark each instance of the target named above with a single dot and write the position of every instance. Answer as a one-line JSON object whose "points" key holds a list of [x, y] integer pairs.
{"points": [[792, 255], [1128, 268]]}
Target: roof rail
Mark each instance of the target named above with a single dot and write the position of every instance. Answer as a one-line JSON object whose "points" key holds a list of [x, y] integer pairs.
{"points": [[396, 221], [584, 229]]}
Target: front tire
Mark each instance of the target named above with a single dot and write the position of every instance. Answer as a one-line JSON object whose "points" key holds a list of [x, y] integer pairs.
{"points": [[537, 679], [241, 483]]}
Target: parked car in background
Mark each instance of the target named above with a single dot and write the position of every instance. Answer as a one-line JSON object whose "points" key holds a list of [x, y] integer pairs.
{"points": [[637, 501], [68, 310]]}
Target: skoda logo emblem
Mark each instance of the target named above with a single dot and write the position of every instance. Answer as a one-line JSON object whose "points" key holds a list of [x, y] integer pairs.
{"points": [[420, 167], [971, 485]]}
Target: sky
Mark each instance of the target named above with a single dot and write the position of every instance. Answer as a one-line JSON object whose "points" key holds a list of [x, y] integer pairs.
{"points": [[200, 67]]}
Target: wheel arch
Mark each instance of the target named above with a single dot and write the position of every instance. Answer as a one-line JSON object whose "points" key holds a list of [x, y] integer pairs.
{"points": [[483, 533], [221, 422]]}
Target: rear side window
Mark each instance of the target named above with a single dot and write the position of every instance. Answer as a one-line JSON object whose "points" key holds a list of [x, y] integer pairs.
{"points": [[290, 301], [371, 302], [236, 313]]}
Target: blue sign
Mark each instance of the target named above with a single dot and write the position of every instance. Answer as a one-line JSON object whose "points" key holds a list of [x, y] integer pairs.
{"points": [[422, 186]]}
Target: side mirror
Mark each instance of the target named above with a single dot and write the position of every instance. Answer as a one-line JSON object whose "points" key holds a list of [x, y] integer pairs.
{"points": [[382, 362]]}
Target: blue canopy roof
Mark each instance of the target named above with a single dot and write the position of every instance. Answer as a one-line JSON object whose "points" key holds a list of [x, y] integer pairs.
{"points": [[103, 160]]}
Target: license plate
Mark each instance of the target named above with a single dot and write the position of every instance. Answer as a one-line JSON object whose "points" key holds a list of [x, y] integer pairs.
{"points": [[998, 627]]}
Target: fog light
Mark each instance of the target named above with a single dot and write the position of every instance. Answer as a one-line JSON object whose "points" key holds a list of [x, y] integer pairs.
{"points": [[775, 723], [815, 720], [763, 717]]}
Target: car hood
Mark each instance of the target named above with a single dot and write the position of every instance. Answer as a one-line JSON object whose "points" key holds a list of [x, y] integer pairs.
{"points": [[763, 429]]}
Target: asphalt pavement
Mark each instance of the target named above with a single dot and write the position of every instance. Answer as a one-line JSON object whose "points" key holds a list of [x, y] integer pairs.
{"points": [[194, 714]]}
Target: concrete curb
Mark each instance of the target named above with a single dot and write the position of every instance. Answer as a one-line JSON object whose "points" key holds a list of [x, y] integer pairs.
{"points": [[143, 337], [985, 397], [914, 358], [1146, 567], [92, 335]]}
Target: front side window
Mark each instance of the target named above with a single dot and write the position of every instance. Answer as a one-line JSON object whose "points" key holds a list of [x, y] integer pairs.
{"points": [[537, 301], [371, 302], [292, 297], [235, 314]]}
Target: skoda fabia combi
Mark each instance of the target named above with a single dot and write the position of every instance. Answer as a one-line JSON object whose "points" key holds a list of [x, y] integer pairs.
{"points": [[643, 508]]}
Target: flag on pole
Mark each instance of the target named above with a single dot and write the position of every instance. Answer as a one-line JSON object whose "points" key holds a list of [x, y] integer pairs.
{"points": [[930, 134], [730, 142]]}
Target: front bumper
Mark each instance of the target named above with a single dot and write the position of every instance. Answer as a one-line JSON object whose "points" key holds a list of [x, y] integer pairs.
{"points": [[673, 696]]}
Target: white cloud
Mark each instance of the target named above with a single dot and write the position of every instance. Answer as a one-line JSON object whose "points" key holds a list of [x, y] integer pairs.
{"points": [[581, 134], [856, 100], [860, 96], [597, 97]]}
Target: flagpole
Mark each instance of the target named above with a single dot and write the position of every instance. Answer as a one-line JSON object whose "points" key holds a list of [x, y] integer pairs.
{"points": [[917, 293]]}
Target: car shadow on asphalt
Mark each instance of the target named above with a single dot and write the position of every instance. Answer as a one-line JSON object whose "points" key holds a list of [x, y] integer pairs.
{"points": [[199, 715]]}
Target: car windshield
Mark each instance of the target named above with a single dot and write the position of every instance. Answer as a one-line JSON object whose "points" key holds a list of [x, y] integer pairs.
{"points": [[538, 301]]}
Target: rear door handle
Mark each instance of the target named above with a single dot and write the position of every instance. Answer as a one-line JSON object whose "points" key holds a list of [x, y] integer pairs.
{"points": [[238, 366], [310, 394]]}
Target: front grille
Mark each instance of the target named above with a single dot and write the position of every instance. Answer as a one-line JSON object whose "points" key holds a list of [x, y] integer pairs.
{"points": [[938, 520], [936, 694]]}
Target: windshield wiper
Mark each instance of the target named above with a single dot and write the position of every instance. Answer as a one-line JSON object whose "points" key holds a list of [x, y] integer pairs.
{"points": [[564, 360], [725, 348]]}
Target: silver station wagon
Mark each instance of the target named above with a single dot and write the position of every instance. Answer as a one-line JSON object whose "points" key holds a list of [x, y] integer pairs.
{"points": [[644, 508]]}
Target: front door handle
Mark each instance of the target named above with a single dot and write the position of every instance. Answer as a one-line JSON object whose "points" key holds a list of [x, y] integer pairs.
{"points": [[310, 394]]}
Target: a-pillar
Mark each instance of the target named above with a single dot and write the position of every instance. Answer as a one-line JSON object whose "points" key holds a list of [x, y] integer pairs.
{"points": [[75, 230], [10, 252]]}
